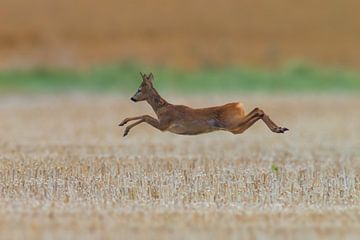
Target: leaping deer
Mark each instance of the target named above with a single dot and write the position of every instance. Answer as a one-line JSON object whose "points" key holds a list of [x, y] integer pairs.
{"points": [[184, 120]]}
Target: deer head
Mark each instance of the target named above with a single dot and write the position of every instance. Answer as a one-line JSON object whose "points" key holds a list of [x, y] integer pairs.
{"points": [[145, 88]]}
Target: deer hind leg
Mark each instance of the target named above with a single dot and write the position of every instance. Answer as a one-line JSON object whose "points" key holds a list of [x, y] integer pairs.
{"points": [[246, 122], [273, 127], [252, 118], [245, 125], [149, 120]]}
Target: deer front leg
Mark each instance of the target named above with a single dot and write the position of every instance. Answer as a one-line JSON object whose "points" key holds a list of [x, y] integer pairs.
{"points": [[126, 120], [127, 129], [150, 120]]}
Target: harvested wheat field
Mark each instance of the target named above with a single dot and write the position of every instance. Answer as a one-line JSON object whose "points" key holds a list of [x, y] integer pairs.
{"points": [[66, 172]]}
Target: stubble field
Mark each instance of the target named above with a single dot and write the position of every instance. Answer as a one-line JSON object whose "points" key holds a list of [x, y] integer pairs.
{"points": [[67, 173]]}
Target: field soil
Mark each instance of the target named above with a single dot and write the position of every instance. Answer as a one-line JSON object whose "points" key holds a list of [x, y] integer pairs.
{"points": [[66, 172], [183, 33]]}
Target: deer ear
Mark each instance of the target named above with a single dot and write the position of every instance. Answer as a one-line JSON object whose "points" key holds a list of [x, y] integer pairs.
{"points": [[142, 75], [150, 77]]}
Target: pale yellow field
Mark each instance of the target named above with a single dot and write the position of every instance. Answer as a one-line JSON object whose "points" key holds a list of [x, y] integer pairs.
{"points": [[67, 173]]}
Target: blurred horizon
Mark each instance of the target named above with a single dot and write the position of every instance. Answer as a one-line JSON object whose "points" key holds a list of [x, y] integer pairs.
{"points": [[296, 77], [179, 34]]}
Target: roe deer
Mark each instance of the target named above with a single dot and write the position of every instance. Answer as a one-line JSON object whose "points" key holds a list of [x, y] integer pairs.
{"points": [[184, 120]]}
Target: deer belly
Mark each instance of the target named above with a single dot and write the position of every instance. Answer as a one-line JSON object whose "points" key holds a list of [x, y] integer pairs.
{"points": [[194, 127]]}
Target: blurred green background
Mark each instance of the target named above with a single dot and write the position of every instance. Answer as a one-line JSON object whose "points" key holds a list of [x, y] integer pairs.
{"points": [[125, 77], [190, 46]]}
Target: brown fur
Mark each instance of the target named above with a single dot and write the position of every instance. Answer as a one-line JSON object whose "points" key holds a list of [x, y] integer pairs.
{"points": [[184, 120]]}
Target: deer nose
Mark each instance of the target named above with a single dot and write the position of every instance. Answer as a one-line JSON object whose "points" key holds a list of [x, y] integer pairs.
{"points": [[133, 99]]}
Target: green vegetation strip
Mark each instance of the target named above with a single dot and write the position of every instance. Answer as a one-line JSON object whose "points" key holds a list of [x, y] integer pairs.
{"points": [[125, 77]]}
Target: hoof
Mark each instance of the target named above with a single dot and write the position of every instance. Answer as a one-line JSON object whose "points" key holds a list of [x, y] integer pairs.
{"points": [[125, 121], [126, 133], [281, 130]]}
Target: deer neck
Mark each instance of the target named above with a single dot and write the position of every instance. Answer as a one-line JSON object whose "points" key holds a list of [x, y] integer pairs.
{"points": [[156, 101]]}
